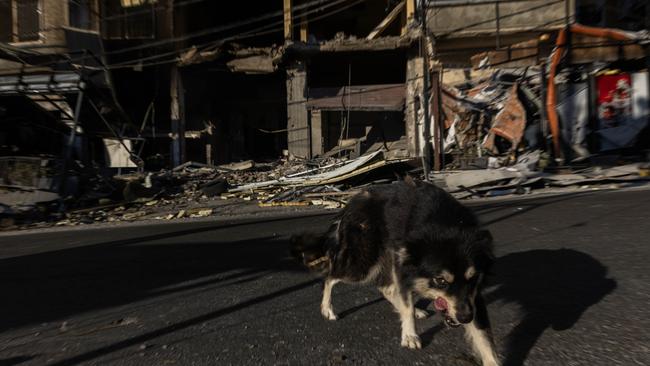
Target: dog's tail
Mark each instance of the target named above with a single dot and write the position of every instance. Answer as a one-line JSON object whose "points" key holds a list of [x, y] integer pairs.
{"points": [[311, 251]]}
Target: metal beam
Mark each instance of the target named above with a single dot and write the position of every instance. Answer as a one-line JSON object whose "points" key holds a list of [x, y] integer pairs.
{"points": [[453, 3], [386, 21], [304, 29], [69, 147]]}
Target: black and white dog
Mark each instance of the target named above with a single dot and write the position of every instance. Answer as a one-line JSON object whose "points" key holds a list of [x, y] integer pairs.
{"points": [[408, 239]]}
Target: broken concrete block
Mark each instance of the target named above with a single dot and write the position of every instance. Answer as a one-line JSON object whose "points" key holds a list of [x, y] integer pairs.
{"points": [[202, 213], [215, 187], [105, 201], [242, 165], [198, 211], [133, 215], [477, 177], [138, 192], [6, 222]]}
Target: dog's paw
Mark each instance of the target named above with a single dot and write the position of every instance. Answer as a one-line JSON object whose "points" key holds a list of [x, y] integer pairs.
{"points": [[491, 363], [411, 341], [328, 313], [421, 314]]}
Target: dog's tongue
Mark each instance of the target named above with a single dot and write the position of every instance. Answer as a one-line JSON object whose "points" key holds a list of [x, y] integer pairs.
{"points": [[440, 304]]}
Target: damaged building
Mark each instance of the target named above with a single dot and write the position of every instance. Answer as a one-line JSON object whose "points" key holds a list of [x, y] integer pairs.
{"points": [[63, 126], [566, 77], [90, 89], [94, 88]]}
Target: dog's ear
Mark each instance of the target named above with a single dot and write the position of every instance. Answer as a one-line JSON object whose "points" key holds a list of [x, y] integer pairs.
{"points": [[483, 254], [409, 180], [484, 238], [302, 243]]}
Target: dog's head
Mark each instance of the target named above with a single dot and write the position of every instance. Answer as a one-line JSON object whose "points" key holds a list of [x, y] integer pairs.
{"points": [[448, 268]]}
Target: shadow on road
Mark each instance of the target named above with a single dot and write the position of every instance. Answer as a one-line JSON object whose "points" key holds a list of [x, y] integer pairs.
{"points": [[15, 360], [553, 287], [55, 285], [58, 284], [354, 309], [505, 209]]}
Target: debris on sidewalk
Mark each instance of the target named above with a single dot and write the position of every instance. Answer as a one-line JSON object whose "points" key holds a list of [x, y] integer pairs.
{"points": [[196, 190], [525, 176]]}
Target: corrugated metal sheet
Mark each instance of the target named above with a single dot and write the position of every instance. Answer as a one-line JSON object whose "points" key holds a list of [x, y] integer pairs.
{"points": [[383, 97], [41, 83]]}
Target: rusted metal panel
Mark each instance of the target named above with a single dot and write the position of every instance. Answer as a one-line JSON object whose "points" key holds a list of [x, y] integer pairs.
{"points": [[586, 49], [517, 55], [383, 97], [509, 123]]}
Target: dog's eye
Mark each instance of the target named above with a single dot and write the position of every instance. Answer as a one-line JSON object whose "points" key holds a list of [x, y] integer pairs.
{"points": [[440, 282]]}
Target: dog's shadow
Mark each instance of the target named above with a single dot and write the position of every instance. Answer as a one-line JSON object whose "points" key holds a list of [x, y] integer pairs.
{"points": [[553, 288]]}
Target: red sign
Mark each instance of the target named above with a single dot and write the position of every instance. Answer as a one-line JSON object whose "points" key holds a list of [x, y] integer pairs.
{"points": [[614, 99]]}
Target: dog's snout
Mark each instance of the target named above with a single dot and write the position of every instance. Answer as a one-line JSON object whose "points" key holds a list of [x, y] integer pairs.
{"points": [[464, 317], [465, 313]]}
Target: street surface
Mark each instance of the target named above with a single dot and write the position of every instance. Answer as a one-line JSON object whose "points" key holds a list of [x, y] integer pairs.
{"points": [[571, 287]]}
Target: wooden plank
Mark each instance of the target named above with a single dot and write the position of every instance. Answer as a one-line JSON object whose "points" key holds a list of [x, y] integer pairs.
{"points": [[436, 102], [14, 15], [410, 9], [317, 143], [288, 22], [409, 15], [387, 21], [303, 29]]}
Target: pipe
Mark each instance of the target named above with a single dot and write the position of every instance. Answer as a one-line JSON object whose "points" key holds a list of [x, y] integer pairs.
{"points": [[556, 56]]}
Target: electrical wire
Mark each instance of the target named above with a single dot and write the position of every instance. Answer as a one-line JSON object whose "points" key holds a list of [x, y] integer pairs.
{"points": [[113, 17], [208, 31], [263, 30]]}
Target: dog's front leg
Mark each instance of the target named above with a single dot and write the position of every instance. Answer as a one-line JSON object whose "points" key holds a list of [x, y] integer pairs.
{"points": [[326, 304], [479, 334], [403, 302]]}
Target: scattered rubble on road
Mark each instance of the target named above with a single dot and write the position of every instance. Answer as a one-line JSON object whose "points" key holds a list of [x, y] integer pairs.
{"points": [[194, 190]]}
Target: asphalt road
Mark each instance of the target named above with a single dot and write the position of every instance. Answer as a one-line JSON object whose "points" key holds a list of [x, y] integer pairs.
{"points": [[571, 287]]}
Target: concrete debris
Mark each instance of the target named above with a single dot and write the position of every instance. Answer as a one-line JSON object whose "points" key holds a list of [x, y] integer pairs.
{"points": [[215, 187], [243, 165], [195, 190], [525, 177], [469, 179], [491, 118]]}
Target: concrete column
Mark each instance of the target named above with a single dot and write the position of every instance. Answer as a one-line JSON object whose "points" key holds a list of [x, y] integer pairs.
{"points": [[413, 110], [298, 134]]}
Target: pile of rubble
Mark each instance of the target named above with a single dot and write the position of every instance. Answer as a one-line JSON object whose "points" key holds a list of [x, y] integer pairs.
{"points": [[197, 190], [489, 121]]}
